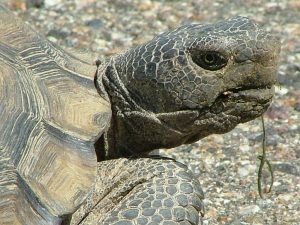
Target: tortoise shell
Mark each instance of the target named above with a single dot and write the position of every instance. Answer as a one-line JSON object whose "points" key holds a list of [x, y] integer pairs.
{"points": [[51, 115]]}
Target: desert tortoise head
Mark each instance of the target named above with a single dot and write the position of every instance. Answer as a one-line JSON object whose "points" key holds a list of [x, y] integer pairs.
{"points": [[179, 87], [188, 83]]}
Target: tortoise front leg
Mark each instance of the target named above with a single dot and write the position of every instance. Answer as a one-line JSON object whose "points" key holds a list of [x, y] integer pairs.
{"points": [[142, 191]]}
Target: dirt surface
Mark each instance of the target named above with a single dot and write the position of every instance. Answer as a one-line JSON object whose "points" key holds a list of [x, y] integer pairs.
{"points": [[226, 165]]}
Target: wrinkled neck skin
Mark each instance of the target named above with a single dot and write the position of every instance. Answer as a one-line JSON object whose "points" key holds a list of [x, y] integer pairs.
{"points": [[133, 130]]}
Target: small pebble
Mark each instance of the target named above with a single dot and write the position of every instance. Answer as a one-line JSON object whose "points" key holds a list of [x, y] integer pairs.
{"points": [[249, 210], [50, 3]]}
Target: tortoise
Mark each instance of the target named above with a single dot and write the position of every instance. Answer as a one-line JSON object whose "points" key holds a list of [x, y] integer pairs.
{"points": [[75, 131]]}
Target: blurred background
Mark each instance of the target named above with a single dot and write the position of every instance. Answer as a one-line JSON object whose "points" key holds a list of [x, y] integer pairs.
{"points": [[226, 165]]}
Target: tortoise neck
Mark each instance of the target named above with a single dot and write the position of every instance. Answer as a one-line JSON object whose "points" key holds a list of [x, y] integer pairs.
{"points": [[110, 85], [134, 131], [120, 139]]}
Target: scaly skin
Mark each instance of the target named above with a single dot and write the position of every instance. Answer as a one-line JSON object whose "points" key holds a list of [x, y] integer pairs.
{"points": [[164, 94], [143, 191]]}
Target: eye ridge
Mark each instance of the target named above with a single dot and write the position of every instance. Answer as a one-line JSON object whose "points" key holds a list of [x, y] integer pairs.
{"points": [[210, 60]]}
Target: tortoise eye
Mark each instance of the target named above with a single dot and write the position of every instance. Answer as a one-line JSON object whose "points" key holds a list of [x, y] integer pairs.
{"points": [[209, 60]]}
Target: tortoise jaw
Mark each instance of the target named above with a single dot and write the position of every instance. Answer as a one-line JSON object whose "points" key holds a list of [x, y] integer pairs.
{"points": [[238, 103], [258, 94], [228, 110], [242, 106]]}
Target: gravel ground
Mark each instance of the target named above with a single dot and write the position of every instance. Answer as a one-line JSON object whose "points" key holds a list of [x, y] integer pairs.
{"points": [[226, 165]]}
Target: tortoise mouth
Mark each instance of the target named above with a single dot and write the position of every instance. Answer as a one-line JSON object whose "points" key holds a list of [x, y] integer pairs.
{"points": [[244, 104], [238, 102], [229, 109], [261, 95]]}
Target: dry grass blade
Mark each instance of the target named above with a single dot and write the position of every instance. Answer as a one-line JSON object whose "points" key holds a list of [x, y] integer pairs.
{"points": [[264, 160]]}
